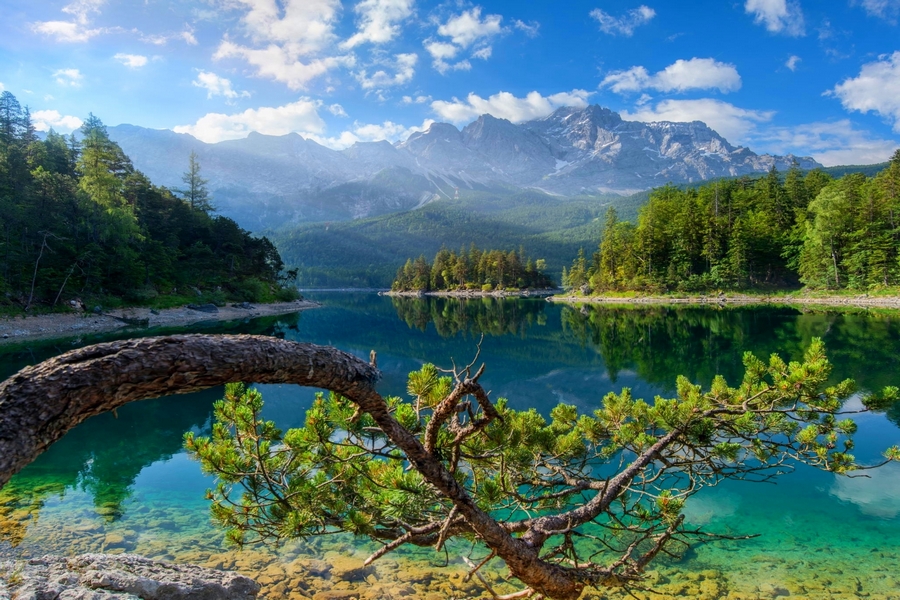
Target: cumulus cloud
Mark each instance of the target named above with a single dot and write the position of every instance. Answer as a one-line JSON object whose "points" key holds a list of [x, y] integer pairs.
{"points": [[65, 31], [441, 53], [132, 61], [76, 30], [404, 68], [504, 105], [830, 143], [467, 28], [68, 77], [45, 119], [876, 89], [288, 42], [626, 24], [731, 122], [792, 62], [301, 117], [378, 21], [217, 86], [778, 16], [406, 99], [882, 9], [680, 76], [281, 64]]}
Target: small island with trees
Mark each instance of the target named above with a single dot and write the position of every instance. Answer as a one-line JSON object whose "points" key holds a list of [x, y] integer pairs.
{"points": [[471, 272]]}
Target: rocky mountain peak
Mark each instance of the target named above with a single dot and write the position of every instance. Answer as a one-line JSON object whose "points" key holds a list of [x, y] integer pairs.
{"points": [[574, 150]]}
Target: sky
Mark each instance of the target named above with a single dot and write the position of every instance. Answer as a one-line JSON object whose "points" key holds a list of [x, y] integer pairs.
{"points": [[816, 78]]}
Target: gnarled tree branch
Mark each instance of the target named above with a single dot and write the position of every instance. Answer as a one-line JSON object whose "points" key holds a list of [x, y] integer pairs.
{"points": [[40, 403]]}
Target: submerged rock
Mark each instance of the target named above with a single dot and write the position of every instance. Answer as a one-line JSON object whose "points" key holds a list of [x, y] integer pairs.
{"points": [[124, 576]]}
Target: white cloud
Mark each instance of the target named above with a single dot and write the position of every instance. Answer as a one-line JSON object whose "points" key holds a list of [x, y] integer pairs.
{"points": [[217, 86], [404, 69], [45, 119], [877, 89], [406, 99], [306, 26], [877, 495], [483, 53], [504, 105], [301, 117], [76, 30], [441, 50], [627, 23], [281, 64], [778, 16], [467, 28], [1, 86], [882, 9], [370, 132], [80, 9], [680, 76], [792, 62], [530, 29], [731, 122], [830, 143], [337, 110], [288, 41], [69, 77], [188, 36], [65, 31], [132, 61], [378, 21], [440, 53]]}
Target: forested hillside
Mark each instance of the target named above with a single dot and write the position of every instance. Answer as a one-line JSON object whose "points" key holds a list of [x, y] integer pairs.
{"points": [[77, 220], [805, 229]]}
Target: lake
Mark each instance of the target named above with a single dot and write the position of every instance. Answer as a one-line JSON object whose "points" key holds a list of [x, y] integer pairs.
{"points": [[122, 482]]}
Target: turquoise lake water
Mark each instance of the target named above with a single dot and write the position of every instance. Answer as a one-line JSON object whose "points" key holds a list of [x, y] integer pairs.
{"points": [[123, 483]]}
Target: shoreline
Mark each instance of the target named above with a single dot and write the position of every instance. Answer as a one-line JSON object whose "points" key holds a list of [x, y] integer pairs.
{"points": [[24, 328], [473, 294], [860, 301]]}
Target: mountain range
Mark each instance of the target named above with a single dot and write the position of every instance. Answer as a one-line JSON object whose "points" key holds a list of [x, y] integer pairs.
{"points": [[267, 181]]}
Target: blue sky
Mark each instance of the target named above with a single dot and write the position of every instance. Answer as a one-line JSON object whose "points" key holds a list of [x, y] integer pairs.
{"points": [[812, 77]]}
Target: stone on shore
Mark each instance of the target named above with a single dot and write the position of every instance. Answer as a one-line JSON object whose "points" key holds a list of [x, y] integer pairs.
{"points": [[123, 576]]}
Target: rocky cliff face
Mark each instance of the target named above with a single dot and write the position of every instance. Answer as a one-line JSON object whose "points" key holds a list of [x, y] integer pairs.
{"points": [[272, 180]]}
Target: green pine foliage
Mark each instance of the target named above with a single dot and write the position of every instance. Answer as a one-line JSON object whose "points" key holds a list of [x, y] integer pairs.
{"points": [[472, 269], [77, 220], [769, 233], [343, 472]]}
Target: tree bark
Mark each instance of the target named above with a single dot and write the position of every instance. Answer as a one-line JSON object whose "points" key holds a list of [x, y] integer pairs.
{"points": [[40, 403]]}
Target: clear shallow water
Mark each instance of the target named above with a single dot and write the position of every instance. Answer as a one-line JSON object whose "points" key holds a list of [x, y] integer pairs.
{"points": [[123, 483]]}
